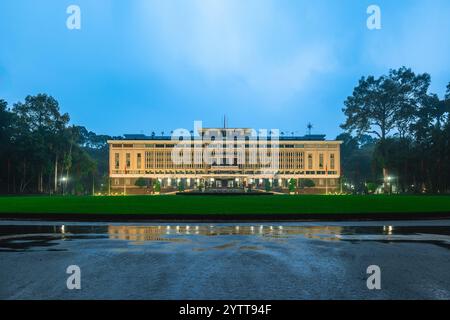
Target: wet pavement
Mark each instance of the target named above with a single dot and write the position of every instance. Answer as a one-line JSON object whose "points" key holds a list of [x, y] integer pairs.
{"points": [[299, 260]]}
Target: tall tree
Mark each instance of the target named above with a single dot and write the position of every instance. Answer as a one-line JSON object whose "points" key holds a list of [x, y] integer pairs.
{"points": [[6, 122], [385, 105], [40, 126], [357, 154]]}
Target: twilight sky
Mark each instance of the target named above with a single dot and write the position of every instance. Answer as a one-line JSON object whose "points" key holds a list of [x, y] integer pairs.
{"points": [[144, 65]]}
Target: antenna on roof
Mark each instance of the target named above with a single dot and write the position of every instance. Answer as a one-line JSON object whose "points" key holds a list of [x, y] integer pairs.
{"points": [[224, 121], [309, 126]]}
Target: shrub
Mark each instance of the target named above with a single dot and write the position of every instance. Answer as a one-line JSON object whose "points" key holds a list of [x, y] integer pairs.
{"points": [[267, 185], [140, 182], [307, 183], [157, 186], [292, 185], [371, 187]]}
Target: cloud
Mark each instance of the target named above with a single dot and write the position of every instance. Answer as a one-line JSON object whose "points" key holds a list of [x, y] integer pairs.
{"points": [[257, 42], [416, 36]]}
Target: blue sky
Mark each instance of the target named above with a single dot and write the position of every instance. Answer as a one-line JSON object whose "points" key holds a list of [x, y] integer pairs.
{"points": [[143, 65]]}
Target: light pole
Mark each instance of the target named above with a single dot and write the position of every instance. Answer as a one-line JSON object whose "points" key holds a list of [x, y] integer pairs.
{"points": [[389, 178]]}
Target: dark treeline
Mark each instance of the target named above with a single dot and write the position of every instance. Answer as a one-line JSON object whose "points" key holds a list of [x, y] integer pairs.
{"points": [[396, 130], [41, 153]]}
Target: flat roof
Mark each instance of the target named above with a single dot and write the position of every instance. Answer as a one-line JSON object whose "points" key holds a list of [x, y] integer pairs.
{"points": [[312, 137]]}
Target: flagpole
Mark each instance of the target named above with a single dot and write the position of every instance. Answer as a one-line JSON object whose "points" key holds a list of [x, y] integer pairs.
{"points": [[124, 182]]}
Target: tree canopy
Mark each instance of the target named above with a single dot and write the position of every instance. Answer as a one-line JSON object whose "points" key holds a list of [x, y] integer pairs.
{"points": [[409, 128], [42, 153]]}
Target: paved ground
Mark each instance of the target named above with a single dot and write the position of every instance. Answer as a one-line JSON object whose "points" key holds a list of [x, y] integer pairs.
{"points": [[225, 261]]}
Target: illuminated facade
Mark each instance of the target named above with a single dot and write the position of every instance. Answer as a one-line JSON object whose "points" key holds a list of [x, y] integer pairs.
{"points": [[223, 158]]}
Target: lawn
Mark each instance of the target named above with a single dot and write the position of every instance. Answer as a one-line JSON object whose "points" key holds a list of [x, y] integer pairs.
{"points": [[206, 205]]}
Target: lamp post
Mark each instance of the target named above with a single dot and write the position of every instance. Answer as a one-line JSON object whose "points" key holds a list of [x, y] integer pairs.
{"points": [[389, 178]]}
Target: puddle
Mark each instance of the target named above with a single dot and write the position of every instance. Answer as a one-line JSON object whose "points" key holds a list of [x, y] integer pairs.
{"points": [[19, 236]]}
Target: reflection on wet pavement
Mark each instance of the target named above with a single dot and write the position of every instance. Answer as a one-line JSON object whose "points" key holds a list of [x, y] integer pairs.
{"points": [[22, 237], [297, 260]]}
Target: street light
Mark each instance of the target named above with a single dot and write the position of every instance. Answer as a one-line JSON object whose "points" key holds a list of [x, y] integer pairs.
{"points": [[389, 178]]}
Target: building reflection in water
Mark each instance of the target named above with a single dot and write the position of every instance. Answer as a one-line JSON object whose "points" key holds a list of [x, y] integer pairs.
{"points": [[165, 233]]}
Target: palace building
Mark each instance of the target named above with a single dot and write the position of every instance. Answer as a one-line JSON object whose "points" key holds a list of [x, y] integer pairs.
{"points": [[223, 158]]}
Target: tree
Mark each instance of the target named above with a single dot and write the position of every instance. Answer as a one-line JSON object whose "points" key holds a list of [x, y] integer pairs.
{"points": [[39, 127], [157, 186], [6, 133], [380, 106], [180, 186], [5, 124], [358, 161], [267, 185], [96, 146], [371, 187], [292, 185], [40, 150]]}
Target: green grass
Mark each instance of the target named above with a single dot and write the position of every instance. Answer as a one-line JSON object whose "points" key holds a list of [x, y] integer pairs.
{"points": [[277, 204]]}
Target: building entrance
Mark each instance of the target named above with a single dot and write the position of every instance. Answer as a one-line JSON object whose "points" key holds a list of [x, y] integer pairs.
{"points": [[225, 183]]}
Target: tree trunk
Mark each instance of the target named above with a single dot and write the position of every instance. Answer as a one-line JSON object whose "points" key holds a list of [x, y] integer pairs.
{"points": [[24, 175], [56, 174], [9, 172], [406, 179], [383, 159], [40, 178], [69, 165]]}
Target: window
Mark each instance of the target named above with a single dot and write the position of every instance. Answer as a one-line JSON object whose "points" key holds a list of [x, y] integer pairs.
{"points": [[128, 160], [139, 161], [332, 161], [116, 182], [321, 161], [300, 160], [310, 161], [116, 161], [149, 157]]}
